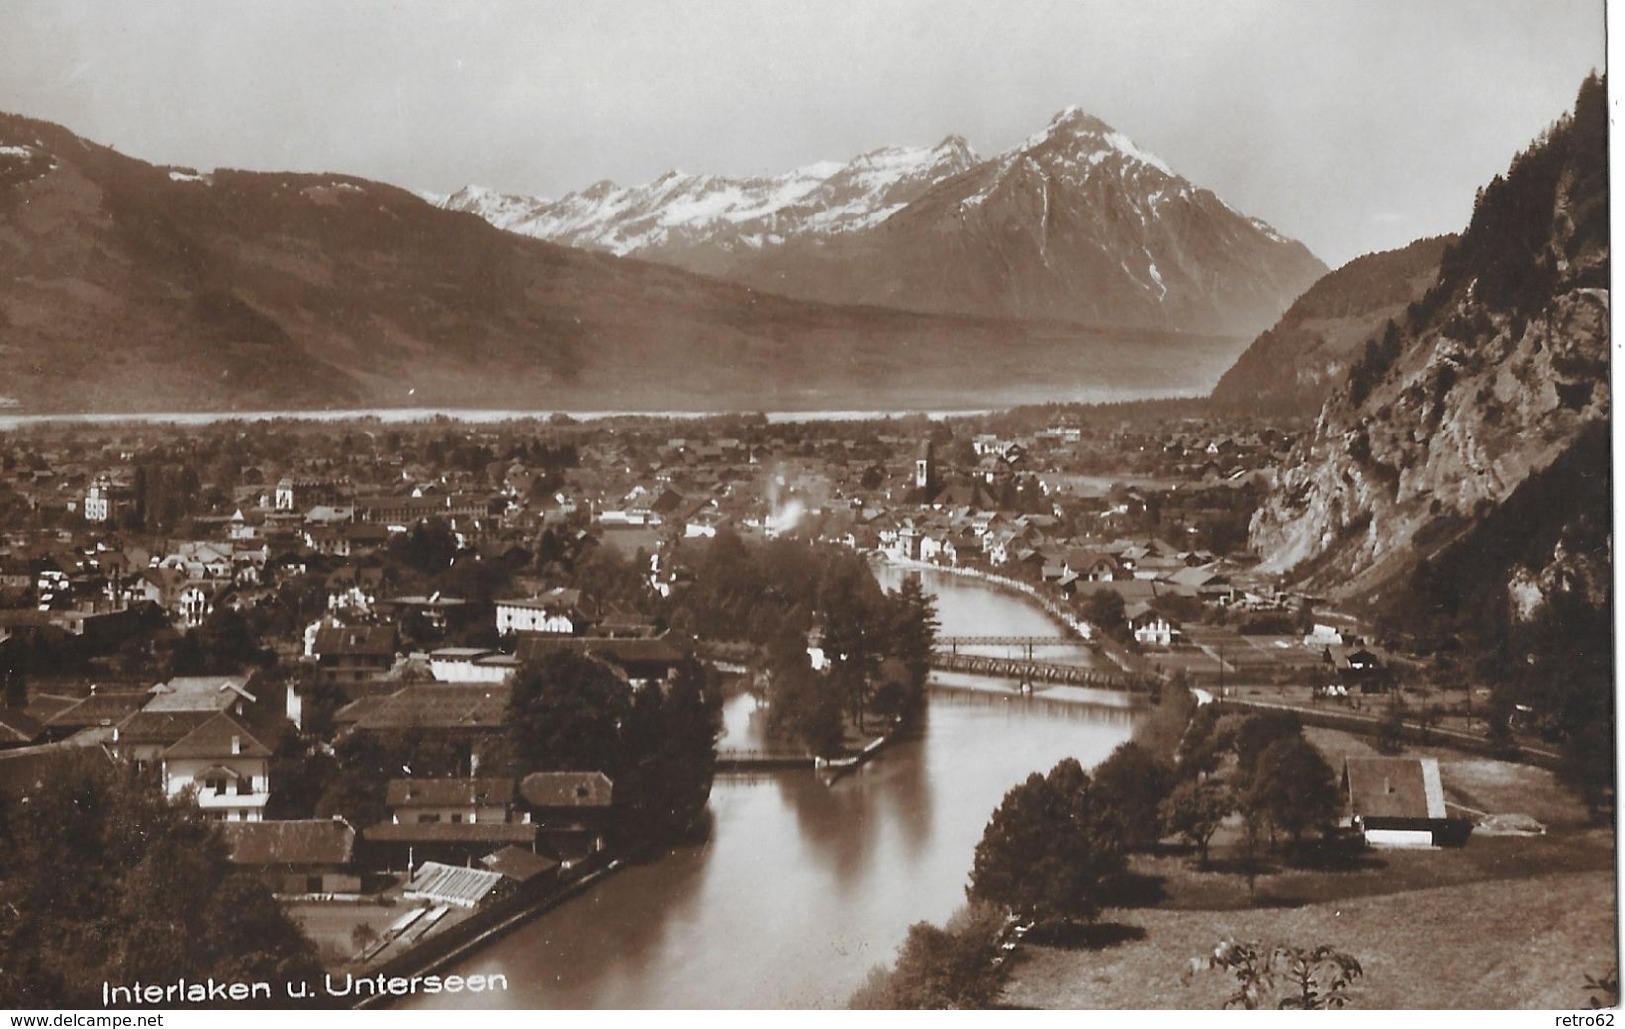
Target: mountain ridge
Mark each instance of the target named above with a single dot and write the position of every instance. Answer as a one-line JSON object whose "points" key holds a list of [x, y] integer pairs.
{"points": [[128, 286], [1292, 368], [1496, 373], [1075, 223]]}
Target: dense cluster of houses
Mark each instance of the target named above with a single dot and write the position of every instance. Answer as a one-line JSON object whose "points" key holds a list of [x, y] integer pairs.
{"points": [[213, 739], [96, 575]]}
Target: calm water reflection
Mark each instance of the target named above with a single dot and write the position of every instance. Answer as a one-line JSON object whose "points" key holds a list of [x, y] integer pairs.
{"points": [[801, 887]]}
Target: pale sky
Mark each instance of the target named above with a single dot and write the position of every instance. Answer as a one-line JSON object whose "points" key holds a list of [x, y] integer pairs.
{"points": [[1354, 126]]}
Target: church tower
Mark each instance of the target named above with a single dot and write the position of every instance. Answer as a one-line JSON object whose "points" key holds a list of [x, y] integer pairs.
{"points": [[925, 470]]}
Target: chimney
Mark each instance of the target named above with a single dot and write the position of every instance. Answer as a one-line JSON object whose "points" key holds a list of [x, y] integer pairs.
{"points": [[236, 744]]}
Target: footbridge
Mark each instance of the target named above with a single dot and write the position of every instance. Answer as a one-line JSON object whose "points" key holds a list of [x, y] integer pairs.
{"points": [[1027, 670], [953, 643]]}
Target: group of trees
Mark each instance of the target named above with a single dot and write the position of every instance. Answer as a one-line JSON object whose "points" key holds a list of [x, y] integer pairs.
{"points": [[877, 651], [1056, 850], [1050, 847], [571, 712], [769, 597], [1279, 783], [103, 879], [1057, 842]]}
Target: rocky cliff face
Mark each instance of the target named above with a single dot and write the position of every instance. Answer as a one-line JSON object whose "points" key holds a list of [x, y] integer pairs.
{"points": [[1292, 368], [1497, 375]]}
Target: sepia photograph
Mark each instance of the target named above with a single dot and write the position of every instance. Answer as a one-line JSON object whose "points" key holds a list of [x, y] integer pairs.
{"points": [[719, 505]]}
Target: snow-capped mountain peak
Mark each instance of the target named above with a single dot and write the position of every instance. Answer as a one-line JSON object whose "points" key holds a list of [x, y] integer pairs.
{"points": [[678, 210], [1076, 223], [1076, 130]]}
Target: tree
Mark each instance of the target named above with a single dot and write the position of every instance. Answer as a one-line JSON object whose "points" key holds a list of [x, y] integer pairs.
{"points": [[1284, 977], [1049, 847], [1201, 748], [801, 706], [912, 639], [1195, 811], [362, 937], [1105, 612], [947, 968], [428, 548], [1391, 730], [1294, 788], [103, 879], [1134, 784], [670, 744], [565, 714], [1162, 729], [1255, 733]]}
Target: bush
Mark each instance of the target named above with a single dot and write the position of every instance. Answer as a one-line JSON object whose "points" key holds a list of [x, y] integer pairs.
{"points": [[940, 968]]}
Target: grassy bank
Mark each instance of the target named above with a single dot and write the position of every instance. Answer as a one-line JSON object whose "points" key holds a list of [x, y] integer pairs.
{"points": [[1526, 943], [1508, 921]]}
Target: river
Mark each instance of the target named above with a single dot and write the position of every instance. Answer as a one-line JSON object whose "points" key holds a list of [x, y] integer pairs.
{"points": [[801, 888]]}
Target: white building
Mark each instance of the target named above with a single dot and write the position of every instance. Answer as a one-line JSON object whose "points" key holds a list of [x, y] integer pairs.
{"points": [[227, 769]]}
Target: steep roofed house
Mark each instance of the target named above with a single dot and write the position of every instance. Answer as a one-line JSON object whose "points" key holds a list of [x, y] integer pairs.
{"points": [[1151, 627], [175, 708], [454, 801], [471, 665], [521, 866], [643, 661], [406, 844], [1092, 565], [1359, 668], [558, 612], [296, 857], [1399, 802], [459, 715], [353, 653], [573, 809], [101, 709], [1210, 584], [226, 767], [18, 728]]}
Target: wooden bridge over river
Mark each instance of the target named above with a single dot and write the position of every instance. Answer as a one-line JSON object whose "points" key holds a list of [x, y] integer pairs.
{"points": [[1028, 670]]}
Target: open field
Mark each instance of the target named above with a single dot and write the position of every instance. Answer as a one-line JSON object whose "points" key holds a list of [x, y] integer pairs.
{"points": [[1490, 944]]}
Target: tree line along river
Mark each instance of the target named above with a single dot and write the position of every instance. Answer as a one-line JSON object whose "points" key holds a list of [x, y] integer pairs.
{"points": [[800, 888]]}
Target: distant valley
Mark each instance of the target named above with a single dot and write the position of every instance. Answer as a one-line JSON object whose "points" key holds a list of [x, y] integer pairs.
{"points": [[126, 286]]}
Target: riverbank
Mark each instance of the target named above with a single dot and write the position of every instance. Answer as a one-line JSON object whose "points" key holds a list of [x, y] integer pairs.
{"points": [[438, 951], [1076, 626]]}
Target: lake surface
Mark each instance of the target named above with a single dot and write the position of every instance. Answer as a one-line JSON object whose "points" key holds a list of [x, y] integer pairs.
{"points": [[801, 888], [473, 416]]}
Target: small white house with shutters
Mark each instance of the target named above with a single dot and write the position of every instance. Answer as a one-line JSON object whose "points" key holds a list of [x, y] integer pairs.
{"points": [[225, 766]]}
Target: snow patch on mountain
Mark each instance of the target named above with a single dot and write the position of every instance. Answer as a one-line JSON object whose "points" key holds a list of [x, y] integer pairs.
{"points": [[679, 209]]}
